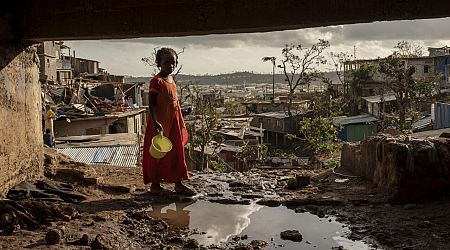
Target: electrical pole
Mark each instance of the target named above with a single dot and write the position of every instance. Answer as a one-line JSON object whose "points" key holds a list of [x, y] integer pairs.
{"points": [[273, 80]]}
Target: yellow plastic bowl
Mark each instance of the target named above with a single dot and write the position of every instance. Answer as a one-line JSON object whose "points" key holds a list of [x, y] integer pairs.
{"points": [[161, 145]]}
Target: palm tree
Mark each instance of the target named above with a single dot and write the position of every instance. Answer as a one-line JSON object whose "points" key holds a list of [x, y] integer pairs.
{"points": [[272, 59]]}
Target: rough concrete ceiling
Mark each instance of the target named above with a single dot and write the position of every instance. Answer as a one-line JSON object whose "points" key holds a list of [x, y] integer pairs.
{"points": [[96, 19]]}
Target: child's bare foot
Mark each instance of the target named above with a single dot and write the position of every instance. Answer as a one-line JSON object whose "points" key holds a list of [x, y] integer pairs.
{"points": [[155, 188], [183, 189]]}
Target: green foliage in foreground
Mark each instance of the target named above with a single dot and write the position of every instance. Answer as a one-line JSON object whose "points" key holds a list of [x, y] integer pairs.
{"points": [[320, 132], [217, 166]]}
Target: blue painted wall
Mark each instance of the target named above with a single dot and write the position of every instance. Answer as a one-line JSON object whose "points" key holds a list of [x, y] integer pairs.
{"points": [[440, 62]]}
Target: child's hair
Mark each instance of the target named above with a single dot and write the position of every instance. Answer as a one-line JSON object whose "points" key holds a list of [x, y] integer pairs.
{"points": [[163, 51], [47, 130]]}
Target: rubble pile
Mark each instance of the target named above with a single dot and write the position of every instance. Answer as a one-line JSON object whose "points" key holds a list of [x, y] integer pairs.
{"points": [[152, 232], [34, 205], [86, 97], [32, 214]]}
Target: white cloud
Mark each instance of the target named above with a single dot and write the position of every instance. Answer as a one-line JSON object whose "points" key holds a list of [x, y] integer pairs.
{"points": [[236, 52]]}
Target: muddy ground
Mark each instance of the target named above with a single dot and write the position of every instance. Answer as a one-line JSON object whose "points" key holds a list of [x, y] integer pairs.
{"points": [[116, 213]]}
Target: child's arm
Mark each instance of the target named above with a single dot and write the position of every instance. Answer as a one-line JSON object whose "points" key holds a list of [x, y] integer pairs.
{"points": [[152, 107]]}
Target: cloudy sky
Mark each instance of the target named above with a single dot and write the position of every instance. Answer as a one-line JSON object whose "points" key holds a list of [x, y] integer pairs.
{"points": [[215, 54]]}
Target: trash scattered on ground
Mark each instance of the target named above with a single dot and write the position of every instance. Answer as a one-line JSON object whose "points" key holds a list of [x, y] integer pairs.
{"points": [[32, 214], [42, 190], [55, 236], [341, 180], [135, 220]]}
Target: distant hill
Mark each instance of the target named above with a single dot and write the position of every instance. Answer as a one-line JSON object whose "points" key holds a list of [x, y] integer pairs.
{"points": [[230, 79]]}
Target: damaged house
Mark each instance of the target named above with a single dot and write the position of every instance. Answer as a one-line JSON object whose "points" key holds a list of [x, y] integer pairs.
{"points": [[276, 125], [55, 66], [99, 119]]}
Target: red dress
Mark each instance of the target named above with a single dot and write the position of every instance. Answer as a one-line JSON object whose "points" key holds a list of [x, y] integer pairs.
{"points": [[172, 167]]}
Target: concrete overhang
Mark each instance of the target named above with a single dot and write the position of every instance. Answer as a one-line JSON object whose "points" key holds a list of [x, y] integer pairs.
{"points": [[39, 20]]}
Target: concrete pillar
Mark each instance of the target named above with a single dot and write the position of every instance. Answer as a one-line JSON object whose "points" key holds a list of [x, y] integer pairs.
{"points": [[21, 154]]}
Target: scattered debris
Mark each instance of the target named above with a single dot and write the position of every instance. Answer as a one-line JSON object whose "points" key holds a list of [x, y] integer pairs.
{"points": [[293, 235], [124, 220], [45, 191], [83, 241], [243, 246], [272, 202], [192, 244], [303, 180], [32, 213], [55, 236], [101, 243], [258, 243], [341, 180], [298, 181]]}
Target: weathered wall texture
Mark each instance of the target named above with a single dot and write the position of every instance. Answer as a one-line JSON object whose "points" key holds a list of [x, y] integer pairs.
{"points": [[82, 127], [48, 54], [407, 168], [21, 155], [100, 125]]}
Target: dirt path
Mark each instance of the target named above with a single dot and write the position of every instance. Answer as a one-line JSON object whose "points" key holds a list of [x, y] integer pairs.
{"points": [[117, 213]]}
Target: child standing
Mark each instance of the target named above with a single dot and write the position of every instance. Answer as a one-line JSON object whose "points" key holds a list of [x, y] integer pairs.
{"points": [[165, 116]]}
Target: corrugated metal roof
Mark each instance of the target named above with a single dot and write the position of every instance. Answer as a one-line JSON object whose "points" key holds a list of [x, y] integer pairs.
{"points": [[377, 98], [56, 90], [122, 156], [430, 133], [354, 119], [280, 114], [237, 133], [231, 148], [422, 122]]}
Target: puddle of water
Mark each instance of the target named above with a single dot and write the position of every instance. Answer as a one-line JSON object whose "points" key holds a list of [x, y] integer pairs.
{"points": [[221, 222]]}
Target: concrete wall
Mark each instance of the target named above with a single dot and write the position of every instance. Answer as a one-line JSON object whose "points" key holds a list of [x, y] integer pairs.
{"points": [[21, 155], [82, 127], [48, 53], [420, 66], [81, 65], [135, 123], [127, 124]]}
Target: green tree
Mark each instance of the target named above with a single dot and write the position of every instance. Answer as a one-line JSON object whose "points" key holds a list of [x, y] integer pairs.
{"points": [[206, 119], [218, 166], [247, 152], [359, 77], [319, 130], [398, 78], [234, 108], [252, 152], [299, 65], [409, 89]]}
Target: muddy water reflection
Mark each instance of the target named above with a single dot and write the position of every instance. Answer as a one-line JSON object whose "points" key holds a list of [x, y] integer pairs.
{"points": [[220, 222]]}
